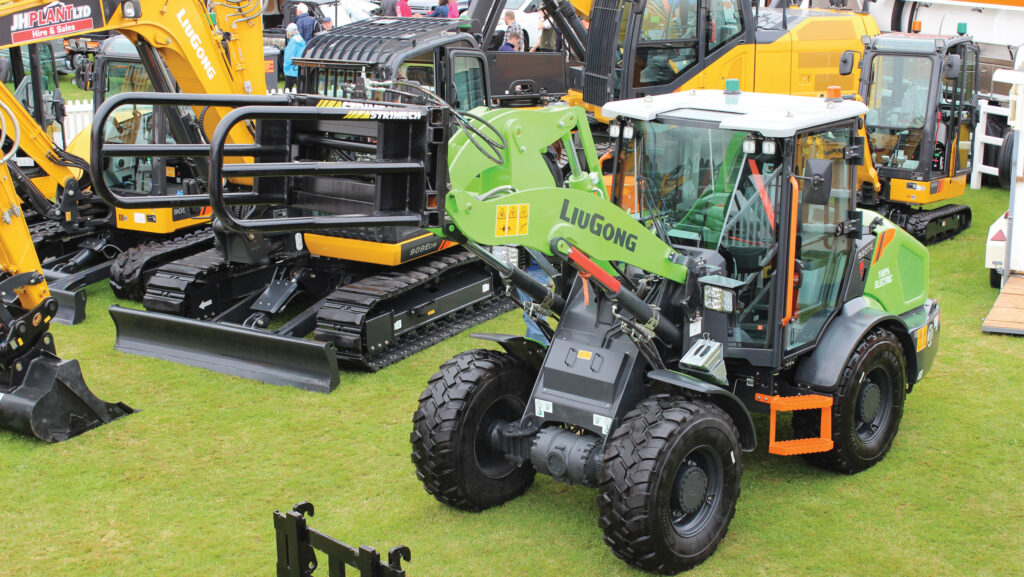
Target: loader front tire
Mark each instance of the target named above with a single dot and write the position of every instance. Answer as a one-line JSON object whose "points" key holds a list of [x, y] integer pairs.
{"points": [[669, 484], [450, 439], [867, 409]]}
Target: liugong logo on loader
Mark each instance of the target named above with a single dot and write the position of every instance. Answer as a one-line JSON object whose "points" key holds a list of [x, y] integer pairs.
{"points": [[197, 45], [53, 19], [594, 223]]}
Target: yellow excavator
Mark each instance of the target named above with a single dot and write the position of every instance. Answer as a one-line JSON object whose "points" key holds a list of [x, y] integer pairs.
{"points": [[41, 395], [188, 47], [637, 48]]}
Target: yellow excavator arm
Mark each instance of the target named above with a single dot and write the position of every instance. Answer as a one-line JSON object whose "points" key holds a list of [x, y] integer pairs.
{"points": [[218, 51]]}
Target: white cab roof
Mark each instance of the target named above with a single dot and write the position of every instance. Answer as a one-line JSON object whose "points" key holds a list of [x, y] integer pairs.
{"points": [[773, 115]]}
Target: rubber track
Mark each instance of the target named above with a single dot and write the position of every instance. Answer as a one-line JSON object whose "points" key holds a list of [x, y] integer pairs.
{"points": [[346, 310], [127, 278], [171, 283], [917, 224], [45, 231]]}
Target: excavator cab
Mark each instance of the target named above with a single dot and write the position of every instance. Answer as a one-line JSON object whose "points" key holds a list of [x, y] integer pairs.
{"points": [[921, 93], [428, 56], [636, 48], [32, 78]]}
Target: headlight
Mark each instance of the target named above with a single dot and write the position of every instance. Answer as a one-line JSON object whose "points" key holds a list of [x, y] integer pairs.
{"points": [[131, 9], [718, 299], [719, 292]]}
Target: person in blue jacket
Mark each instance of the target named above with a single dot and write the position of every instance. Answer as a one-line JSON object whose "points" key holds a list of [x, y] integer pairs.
{"points": [[292, 50], [441, 11]]}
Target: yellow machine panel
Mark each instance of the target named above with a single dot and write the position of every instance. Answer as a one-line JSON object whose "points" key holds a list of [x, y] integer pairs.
{"points": [[387, 254], [913, 192], [158, 220]]}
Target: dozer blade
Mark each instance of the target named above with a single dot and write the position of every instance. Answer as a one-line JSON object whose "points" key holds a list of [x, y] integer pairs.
{"points": [[53, 402], [231, 349], [71, 306]]}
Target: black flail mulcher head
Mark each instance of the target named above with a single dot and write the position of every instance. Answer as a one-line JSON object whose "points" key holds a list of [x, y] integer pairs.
{"points": [[42, 395], [51, 401]]}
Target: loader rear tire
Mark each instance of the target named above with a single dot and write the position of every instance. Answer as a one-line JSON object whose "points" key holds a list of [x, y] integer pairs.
{"points": [[867, 409], [669, 484], [450, 439]]}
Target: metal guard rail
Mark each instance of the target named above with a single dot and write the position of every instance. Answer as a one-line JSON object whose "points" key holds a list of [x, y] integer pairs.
{"points": [[101, 150]]}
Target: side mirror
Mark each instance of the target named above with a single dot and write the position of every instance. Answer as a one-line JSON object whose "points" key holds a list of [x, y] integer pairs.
{"points": [[819, 172], [59, 107], [83, 75], [846, 63], [951, 67]]}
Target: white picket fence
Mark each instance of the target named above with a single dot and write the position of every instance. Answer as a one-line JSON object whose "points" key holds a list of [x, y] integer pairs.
{"points": [[80, 114], [79, 117]]}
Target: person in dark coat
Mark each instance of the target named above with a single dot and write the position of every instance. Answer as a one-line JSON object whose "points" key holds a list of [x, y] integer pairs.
{"points": [[307, 24]]}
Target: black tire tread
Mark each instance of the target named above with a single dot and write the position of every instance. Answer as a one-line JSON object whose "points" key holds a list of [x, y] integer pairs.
{"points": [[807, 423], [629, 463], [437, 420]]}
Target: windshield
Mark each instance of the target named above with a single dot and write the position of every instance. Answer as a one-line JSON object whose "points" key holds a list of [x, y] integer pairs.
{"points": [[719, 190], [705, 190], [897, 109], [126, 77]]}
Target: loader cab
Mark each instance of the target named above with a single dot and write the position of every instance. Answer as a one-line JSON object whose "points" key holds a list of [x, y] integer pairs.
{"points": [[921, 92], [422, 54], [756, 188]]}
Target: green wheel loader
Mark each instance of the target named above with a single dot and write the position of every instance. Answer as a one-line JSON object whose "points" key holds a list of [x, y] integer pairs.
{"points": [[740, 278]]}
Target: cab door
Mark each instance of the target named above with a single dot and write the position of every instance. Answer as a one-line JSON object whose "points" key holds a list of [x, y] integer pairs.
{"points": [[820, 257], [960, 104], [467, 86], [684, 44]]}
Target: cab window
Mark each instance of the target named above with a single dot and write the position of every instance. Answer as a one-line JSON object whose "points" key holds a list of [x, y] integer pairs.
{"points": [[668, 41], [469, 83]]}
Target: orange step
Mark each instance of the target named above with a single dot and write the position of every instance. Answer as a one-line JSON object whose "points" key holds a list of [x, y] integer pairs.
{"points": [[799, 403]]}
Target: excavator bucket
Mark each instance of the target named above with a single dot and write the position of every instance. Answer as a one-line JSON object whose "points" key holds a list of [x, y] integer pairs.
{"points": [[52, 402], [251, 353]]}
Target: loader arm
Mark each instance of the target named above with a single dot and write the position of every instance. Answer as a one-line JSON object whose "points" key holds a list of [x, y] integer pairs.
{"points": [[499, 204]]}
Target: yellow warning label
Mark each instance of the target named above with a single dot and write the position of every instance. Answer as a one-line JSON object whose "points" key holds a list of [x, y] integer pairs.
{"points": [[922, 338], [585, 355], [512, 220]]}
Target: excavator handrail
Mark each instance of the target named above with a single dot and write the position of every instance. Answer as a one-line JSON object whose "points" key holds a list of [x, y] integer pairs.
{"points": [[355, 111], [101, 150]]}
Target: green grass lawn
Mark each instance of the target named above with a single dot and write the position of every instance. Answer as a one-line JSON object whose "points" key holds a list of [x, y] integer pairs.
{"points": [[187, 485]]}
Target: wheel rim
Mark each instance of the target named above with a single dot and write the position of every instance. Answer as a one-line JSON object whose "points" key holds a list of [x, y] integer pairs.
{"points": [[874, 405], [696, 491], [490, 461]]}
